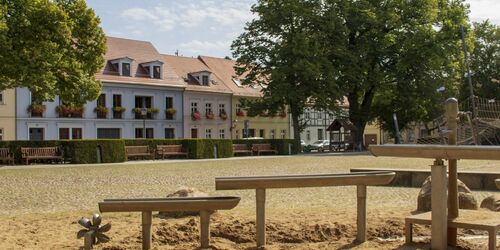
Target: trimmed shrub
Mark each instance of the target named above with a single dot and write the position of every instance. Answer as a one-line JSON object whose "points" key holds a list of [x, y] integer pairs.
{"points": [[197, 148], [15, 147], [86, 151], [279, 144]]}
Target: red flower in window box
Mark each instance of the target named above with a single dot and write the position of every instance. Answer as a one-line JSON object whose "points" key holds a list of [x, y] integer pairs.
{"points": [[240, 113], [223, 116], [196, 116], [210, 115]]}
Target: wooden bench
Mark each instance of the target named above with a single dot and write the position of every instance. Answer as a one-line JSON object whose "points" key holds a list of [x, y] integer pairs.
{"points": [[205, 205], [263, 148], [136, 151], [45, 153], [469, 219], [261, 183], [6, 156], [241, 149], [170, 150]]}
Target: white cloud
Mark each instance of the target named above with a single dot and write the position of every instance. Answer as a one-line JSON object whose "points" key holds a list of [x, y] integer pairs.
{"points": [[197, 47], [138, 14], [485, 9]]}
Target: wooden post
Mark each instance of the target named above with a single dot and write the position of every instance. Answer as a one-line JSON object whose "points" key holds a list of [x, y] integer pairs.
{"points": [[261, 217], [438, 204], [146, 230], [361, 219], [205, 229], [451, 113], [87, 240]]}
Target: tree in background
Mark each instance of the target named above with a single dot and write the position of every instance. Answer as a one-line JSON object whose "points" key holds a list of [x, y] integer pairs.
{"points": [[484, 62], [282, 51], [53, 48], [393, 56]]}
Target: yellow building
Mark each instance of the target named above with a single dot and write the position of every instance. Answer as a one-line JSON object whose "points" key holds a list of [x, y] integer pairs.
{"points": [[243, 126], [8, 115], [372, 134]]}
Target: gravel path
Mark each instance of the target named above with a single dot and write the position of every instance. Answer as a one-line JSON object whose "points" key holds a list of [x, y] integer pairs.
{"points": [[43, 189]]}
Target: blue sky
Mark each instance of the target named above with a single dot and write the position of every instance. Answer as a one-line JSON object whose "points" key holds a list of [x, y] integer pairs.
{"points": [[202, 27]]}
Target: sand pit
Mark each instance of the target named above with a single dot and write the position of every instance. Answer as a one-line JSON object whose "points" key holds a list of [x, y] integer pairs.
{"points": [[40, 207]]}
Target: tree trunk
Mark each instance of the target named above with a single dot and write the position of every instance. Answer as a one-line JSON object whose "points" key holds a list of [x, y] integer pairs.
{"points": [[295, 113]]}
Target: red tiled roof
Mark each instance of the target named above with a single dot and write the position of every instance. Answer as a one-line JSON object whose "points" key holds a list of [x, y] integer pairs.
{"points": [[140, 52]]}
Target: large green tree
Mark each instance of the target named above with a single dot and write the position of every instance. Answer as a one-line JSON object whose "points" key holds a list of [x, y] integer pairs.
{"points": [[281, 50], [393, 56], [53, 48], [484, 62]]}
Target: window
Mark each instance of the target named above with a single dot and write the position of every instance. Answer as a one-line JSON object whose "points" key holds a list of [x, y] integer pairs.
{"points": [[237, 82], [308, 115], [101, 100], [1, 134], [208, 108], [125, 69], [208, 133], [308, 135], [143, 102], [1, 97], [237, 133], [63, 133], [156, 72], [283, 134], [204, 80], [222, 108], [273, 134], [238, 108], [117, 102], [76, 134], [36, 134], [222, 134], [320, 115], [320, 134], [194, 133], [261, 133], [108, 133], [251, 132], [194, 107], [140, 134], [169, 133], [169, 104]]}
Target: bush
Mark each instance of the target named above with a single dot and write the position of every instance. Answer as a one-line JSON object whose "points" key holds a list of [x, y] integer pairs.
{"points": [[15, 147], [279, 144], [86, 151], [197, 148]]}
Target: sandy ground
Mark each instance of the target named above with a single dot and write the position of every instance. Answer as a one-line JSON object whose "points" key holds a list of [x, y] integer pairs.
{"points": [[39, 206]]}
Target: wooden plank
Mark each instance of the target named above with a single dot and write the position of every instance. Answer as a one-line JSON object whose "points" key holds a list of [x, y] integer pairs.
{"points": [[438, 204], [146, 230], [361, 219], [497, 182], [169, 204], [205, 229], [261, 217], [437, 151], [451, 114], [295, 181]]}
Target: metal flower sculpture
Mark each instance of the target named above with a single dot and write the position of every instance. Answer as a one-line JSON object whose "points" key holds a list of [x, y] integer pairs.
{"points": [[93, 230]]}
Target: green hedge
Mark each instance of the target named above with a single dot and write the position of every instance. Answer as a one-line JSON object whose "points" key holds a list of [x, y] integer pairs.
{"points": [[279, 144], [75, 151], [197, 148]]}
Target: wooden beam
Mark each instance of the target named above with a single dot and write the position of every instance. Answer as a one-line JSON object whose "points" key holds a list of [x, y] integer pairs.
{"points": [[451, 114], [260, 196], [205, 229], [437, 151], [438, 205], [361, 219], [146, 230]]}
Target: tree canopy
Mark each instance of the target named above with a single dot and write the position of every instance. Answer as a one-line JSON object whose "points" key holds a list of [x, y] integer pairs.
{"points": [[385, 56], [53, 48]]}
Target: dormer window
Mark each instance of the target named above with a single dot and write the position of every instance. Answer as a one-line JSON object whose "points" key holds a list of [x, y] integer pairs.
{"points": [[237, 82], [202, 77], [154, 69], [122, 66], [205, 80]]}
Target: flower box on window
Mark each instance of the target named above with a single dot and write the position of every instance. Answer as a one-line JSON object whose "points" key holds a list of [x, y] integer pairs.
{"points": [[196, 116], [210, 115], [240, 113], [171, 111], [36, 110], [101, 111], [223, 115]]}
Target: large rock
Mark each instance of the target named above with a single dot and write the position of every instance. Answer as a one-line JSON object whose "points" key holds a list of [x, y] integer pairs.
{"points": [[182, 193], [492, 203], [465, 198]]}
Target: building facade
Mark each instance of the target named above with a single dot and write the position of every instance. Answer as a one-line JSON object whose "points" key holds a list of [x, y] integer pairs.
{"points": [[8, 114], [270, 126], [141, 98], [207, 101]]}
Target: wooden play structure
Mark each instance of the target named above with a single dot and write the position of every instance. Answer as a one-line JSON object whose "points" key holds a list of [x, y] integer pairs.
{"points": [[205, 205], [261, 183], [445, 213], [340, 134]]}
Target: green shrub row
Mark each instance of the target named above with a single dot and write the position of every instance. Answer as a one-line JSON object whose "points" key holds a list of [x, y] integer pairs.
{"points": [[75, 151], [109, 151]]}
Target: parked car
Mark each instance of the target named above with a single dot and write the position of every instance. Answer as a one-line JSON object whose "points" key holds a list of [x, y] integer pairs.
{"points": [[302, 145], [320, 145]]}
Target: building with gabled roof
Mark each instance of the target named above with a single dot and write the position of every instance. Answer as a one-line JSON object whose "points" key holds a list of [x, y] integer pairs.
{"points": [[269, 126], [207, 100], [135, 79]]}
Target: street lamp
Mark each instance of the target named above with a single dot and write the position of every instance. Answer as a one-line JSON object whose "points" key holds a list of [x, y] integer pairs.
{"points": [[144, 113]]}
